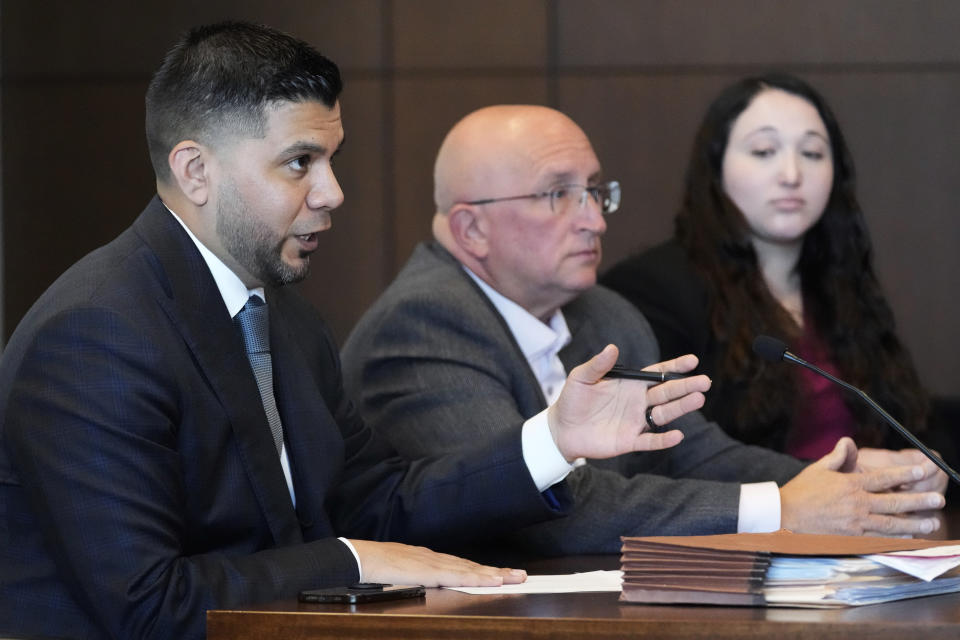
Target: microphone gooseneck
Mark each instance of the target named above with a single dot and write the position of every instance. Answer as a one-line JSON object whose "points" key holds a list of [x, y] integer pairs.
{"points": [[773, 350]]}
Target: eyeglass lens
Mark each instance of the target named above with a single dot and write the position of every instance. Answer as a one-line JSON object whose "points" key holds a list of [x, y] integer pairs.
{"points": [[606, 195]]}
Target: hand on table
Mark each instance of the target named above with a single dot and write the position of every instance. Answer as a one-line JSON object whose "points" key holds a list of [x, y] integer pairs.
{"points": [[830, 496], [933, 479], [395, 563]]}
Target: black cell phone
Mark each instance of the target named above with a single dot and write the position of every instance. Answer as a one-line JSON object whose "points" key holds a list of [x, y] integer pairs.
{"points": [[363, 592]]}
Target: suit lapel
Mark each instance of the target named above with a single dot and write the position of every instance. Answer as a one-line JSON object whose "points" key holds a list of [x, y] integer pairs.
{"points": [[196, 308], [530, 396], [578, 350]]}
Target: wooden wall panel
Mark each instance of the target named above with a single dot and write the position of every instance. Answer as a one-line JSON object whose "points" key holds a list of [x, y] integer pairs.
{"points": [[503, 34], [114, 38], [75, 173], [425, 110], [665, 33]]}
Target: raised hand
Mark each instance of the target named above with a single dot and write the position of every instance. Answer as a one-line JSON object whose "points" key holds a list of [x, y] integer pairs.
{"points": [[601, 418]]}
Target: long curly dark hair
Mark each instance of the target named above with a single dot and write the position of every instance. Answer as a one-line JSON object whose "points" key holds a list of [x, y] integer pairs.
{"points": [[841, 294]]}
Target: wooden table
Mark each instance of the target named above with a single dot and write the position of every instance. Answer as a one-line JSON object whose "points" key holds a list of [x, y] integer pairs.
{"points": [[451, 614]]}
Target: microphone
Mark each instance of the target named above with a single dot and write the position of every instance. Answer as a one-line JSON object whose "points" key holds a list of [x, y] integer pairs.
{"points": [[773, 350]]}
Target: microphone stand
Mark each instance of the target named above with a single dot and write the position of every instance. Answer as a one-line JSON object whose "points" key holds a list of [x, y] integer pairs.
{"points": [[953, 475]]}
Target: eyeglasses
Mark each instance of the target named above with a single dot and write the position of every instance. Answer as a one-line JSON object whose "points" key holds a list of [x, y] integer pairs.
{"points": [[562, 197]]}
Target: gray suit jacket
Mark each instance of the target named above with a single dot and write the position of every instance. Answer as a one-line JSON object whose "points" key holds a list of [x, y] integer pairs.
{"points": [[434, 368]]}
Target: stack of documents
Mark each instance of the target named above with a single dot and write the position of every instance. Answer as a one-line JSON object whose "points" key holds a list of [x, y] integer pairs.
{"points": [[786, 569]]}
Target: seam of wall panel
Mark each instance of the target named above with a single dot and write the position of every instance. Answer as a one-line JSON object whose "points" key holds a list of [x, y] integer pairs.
{"points": [[553, 53], [390, 237], [3, 300]]}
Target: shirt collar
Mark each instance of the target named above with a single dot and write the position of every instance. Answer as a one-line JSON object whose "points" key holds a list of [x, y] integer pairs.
{"points": [[235, 294], [535, 338]]}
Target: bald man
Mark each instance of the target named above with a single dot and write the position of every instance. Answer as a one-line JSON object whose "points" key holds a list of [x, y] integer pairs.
{"points": [[477, 332]]}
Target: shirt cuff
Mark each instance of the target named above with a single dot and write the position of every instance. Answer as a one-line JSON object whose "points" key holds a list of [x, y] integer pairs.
{"points": [[355, 557], [546, 464], [759, 508]]}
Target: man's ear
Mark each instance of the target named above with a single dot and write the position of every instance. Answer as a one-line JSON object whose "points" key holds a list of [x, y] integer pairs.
{"points": [[469, 228], [190, 170]]}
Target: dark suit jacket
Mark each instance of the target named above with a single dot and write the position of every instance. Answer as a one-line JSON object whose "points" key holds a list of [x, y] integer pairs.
{"points": [[139, 483], [433, 367]]}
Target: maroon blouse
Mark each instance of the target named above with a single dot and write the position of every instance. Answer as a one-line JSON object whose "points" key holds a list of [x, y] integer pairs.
{"points": [[820, 417]]}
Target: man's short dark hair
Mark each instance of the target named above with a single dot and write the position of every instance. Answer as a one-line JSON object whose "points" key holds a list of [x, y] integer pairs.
{"points": [[218, 80]]}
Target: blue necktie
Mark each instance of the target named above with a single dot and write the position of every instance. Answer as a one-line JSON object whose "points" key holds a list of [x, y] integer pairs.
{"points": [[255, 327]]}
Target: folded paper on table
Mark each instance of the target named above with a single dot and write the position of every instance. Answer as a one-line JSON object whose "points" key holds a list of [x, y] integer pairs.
{"points": [[590, 581], [786, 569], [925, 564]]}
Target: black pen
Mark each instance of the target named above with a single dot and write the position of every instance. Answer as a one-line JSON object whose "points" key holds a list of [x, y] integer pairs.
{"points": [[619, 371]]}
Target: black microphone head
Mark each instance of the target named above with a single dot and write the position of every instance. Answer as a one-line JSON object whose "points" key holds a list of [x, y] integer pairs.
{"points": [[768, 348]]}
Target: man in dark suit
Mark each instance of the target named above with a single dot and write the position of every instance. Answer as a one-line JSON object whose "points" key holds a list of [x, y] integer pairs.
{"points": [[174, 432], [476, 333]]}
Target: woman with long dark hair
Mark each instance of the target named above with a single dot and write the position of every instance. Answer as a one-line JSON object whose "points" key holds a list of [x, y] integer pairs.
{"points": [[770, 239]]}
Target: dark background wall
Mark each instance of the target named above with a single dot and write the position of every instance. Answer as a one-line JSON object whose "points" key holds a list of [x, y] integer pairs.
{"points": [[636, 74]]}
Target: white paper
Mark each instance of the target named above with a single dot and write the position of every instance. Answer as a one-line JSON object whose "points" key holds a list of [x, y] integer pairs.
{"points": [[569, 583], [925, 564]]}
